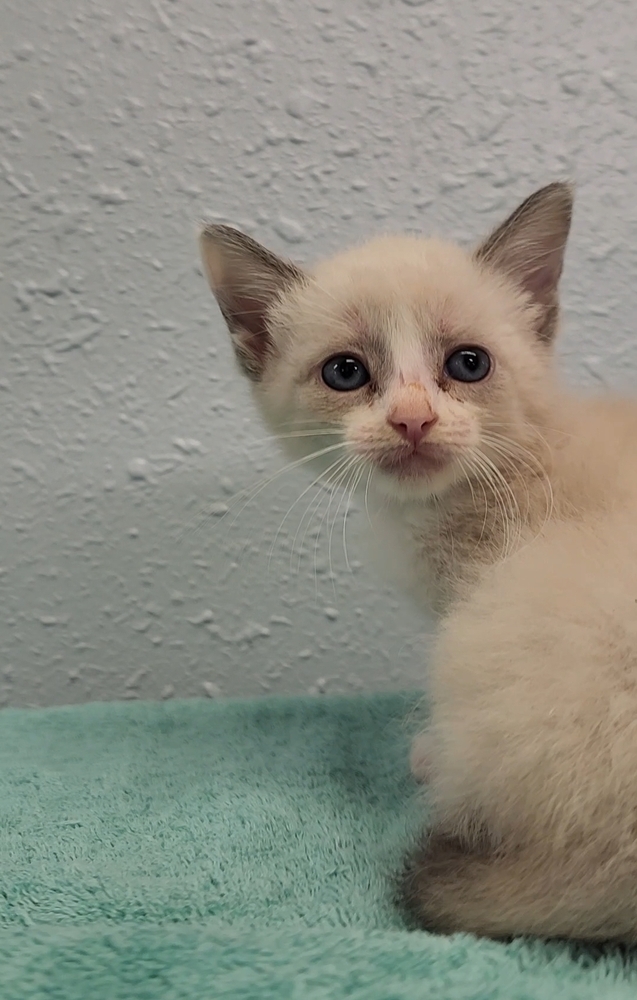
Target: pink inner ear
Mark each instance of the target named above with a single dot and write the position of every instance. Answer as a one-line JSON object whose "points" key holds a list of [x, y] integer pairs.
{"points": [[249, 314], [542, 281]]}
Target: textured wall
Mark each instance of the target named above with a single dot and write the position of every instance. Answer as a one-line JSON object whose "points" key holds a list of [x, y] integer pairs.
{"points": [[310, 124]]}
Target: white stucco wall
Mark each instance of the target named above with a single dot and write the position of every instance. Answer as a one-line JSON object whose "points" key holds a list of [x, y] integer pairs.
{"points": [[310, 124]]}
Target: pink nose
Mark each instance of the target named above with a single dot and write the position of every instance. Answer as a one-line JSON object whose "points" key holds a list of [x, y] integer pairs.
{"points": [[412, 429]]}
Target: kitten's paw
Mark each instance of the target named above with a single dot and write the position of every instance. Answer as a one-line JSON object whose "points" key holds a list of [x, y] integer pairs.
{"points": [[420, 758]]}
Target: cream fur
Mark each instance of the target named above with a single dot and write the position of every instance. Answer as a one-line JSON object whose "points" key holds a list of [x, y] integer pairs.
{"points": [[531, 755]]}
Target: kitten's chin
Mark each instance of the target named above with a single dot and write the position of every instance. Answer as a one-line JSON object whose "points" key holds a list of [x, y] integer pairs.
{"points": [[410, 465], [416, 480]]}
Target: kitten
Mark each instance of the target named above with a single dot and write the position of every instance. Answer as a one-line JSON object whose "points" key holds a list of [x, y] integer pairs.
{"points": [[512, 503]]}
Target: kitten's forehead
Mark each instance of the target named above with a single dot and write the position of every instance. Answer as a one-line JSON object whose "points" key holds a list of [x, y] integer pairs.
{"points": [[391, 278], [395, 264]]}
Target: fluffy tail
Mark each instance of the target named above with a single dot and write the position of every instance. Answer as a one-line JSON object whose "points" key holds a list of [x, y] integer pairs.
{"points": [[455, 884]]}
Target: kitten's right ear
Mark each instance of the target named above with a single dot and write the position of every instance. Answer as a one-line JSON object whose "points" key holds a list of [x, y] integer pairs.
{"points": [[529, 248], [246, 280]]}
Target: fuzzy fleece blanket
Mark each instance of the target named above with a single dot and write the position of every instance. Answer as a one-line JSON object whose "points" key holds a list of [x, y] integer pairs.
{"points": [[234, 850]]}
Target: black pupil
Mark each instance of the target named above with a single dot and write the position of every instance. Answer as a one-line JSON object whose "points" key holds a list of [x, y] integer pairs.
{"points": [[347, 369], [344, 373], [469, 364]]}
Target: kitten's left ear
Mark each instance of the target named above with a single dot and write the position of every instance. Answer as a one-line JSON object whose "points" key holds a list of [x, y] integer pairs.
{"points": [[246, 280], [529, 248]]}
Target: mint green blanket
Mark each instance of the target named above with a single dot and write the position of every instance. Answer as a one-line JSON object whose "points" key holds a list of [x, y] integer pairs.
{"points": [[217, 851]]}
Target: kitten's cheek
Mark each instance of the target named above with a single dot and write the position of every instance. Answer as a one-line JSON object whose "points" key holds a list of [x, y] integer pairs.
{"points": [[365, 442]]}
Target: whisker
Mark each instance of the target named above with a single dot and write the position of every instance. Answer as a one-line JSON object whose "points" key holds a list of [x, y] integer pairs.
{"points": [[504, 498], [367, 485], [483, 478], [307, 489], [274, 438], [513, 463], [288, 468], [352, 490], [515, 521], [338, 484], [340, 466], [512, 451], [313, 511], [467, 474], [352, 473], [250, 494]]}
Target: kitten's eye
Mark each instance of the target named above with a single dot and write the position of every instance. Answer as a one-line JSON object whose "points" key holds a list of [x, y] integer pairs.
{"points": [[344, 373], [469, 364]]}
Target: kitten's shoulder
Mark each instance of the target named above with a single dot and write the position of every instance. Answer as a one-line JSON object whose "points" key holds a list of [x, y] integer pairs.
{"points": [[596, 458]]}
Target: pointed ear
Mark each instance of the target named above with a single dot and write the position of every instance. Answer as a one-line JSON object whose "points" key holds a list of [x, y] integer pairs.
{"points": [[246, 280], [529, 248]]}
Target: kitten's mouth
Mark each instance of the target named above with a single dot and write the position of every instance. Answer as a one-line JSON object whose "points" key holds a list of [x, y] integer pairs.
{"points": [[410, 464]]}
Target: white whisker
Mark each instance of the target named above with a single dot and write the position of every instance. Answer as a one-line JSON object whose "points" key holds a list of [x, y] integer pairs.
{"points": [[250, 494], [352, 489], [350, 472], [314, 506], [367, 485], [337, 484], [307, 489]]}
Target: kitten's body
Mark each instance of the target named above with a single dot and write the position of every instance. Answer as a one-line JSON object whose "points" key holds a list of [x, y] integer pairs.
{"points": [[531, 754]]}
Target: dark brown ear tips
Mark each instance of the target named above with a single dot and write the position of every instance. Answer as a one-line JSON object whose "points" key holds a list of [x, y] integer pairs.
{"points": [[246, 279], [529, 248]]}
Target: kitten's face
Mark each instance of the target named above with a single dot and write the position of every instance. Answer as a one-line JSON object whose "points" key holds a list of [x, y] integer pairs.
{"points": [[412, 356], [411, 351]]}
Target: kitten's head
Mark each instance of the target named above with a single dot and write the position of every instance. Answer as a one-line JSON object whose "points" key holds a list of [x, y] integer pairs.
{"points": [[413, 355]]}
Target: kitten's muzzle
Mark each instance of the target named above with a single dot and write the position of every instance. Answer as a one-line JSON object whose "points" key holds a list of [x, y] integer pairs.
{"points": [[405, 462]]}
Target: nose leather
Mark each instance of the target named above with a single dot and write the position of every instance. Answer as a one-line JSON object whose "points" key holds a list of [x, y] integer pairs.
{"points": [[413, 429], [412, 416]]}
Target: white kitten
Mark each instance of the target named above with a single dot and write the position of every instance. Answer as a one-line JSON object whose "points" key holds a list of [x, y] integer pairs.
{"points": [[511, 506]]}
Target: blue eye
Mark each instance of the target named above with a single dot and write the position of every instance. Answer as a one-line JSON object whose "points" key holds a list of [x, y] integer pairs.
{"points": [[344, 373], [469, 364]]}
